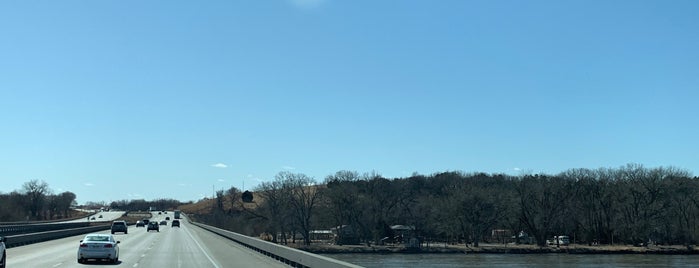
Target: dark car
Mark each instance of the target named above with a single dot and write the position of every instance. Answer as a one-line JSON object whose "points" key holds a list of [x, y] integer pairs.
{"points": [[140, 224], [120, 226], [167, 218], [145, 221], [176, 223], [153, 226], [163, 223]]}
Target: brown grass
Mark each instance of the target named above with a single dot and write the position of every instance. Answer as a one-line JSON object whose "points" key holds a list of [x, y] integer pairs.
{"points": [[206, 205]]}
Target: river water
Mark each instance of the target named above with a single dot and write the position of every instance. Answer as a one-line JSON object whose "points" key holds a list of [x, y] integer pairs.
{"points": [[517, 260]]}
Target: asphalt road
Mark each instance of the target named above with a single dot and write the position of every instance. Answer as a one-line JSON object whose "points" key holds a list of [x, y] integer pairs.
{"points": [[107, 216], [187, 246]]}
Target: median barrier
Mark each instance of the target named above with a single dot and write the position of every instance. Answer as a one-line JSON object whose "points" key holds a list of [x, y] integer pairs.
{"points": [[7, 223], [291, 256], [25, 239], [7, 230]]}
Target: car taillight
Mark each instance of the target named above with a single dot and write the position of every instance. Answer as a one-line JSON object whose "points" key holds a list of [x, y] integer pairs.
{"points": [[83, 245], [108, 245]]}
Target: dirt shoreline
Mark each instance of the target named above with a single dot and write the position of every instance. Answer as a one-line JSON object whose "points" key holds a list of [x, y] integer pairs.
{"points": [[499, 249]]}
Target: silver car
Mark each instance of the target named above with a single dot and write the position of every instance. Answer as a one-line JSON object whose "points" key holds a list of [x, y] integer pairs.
{"points": [[3, 257], [98, 247]]}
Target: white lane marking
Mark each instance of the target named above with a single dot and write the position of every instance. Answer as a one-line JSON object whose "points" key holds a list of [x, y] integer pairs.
{"points": [[201, 248], [57, 264], [135, 265]]}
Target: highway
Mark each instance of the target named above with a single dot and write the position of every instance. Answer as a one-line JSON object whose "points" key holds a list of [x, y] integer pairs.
{"points": [[187, 246], [107, 216]]}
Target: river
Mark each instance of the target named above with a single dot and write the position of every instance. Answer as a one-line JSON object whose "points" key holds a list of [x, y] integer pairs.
{"points": [[517, 260]]}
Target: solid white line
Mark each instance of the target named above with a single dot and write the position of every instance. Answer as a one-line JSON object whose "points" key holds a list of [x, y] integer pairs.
{"points": [[57, 264], [201, 248], [135, 265]]}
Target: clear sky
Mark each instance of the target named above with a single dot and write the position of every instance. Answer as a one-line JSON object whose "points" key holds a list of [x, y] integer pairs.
{"points": [[125, 99]]}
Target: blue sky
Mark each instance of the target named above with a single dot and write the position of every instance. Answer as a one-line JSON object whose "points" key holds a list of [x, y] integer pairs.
{"points": [[168, 99]]}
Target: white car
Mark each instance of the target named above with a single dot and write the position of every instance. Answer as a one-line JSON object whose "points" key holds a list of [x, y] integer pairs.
{"points": [[98, 247], [3, 257]]}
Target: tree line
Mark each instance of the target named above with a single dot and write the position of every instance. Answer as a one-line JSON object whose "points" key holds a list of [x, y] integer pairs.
{"points": [[631, 204], [143, 205], [36, 201]]}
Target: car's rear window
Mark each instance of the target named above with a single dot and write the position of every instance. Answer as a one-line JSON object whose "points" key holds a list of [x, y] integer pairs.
{"points": [[97, 238], [119, 223]]}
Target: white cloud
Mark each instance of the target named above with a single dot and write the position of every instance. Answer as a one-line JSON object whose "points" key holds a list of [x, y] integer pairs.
{"points": [[219, 165], [88, 184], [307, 4], [517, 169], [221, 180], [253, 177], [288, 167]]}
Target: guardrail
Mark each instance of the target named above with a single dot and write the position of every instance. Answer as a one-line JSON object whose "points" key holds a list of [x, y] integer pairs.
{"points": [[25, 239], [290, 256], [7, 230], [6, 223]]}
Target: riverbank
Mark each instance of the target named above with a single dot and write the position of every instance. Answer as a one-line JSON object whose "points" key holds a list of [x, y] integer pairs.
{"points": [[499, 249]]}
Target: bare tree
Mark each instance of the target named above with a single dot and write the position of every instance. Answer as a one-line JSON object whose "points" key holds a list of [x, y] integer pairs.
{"points": [[235, 197], [219, 200], [641, 191], [683, 207], [52, 204], [36, 191], [543, 200], [380, 202], [275, 206], [304, 197], [342, 196], [480, 209], [65, 201]]}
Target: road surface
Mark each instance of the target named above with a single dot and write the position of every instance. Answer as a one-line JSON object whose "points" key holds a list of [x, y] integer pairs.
{"points": [[107, 216], [188, 247]]}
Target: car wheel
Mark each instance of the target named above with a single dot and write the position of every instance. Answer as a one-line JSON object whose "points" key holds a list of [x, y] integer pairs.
{"points": [[4, 259], [112, 232], [80, 261], [126, 232]]}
